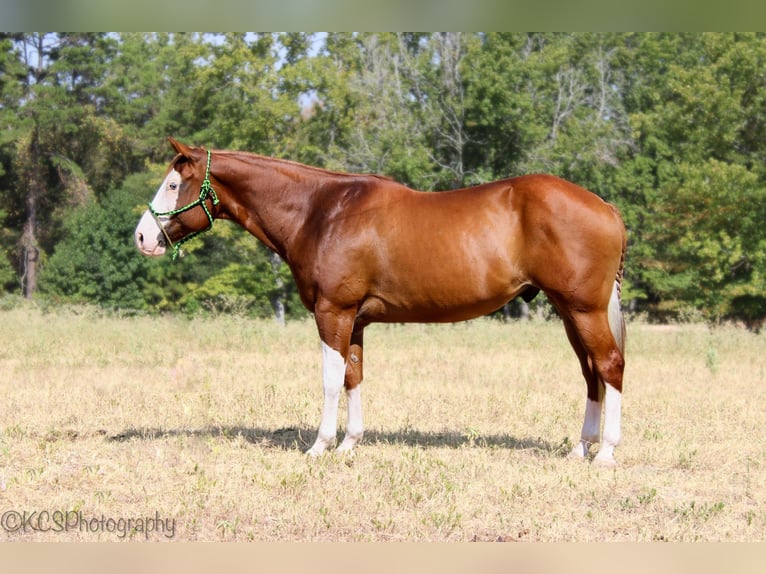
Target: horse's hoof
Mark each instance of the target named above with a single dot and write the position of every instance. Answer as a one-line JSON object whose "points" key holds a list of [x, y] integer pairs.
{"points": [[346, 455], [578, 452], [605, 462], [315, 452], [345, 450], [347, 446]]}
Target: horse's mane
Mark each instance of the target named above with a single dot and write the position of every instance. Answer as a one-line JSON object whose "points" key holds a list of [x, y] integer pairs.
{"points": [[250, 157]]}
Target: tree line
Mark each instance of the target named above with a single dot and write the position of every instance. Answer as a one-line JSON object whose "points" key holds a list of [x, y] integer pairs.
{"points": [[670, 127]]}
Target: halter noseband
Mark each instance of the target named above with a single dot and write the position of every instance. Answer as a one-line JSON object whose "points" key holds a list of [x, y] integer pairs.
{"points": [[206, 191]]}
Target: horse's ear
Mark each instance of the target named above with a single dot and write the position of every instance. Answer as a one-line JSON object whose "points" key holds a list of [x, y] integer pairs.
{"points": [[182, 149]]}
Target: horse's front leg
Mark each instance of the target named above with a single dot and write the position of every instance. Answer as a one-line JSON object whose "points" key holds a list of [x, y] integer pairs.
{"points": [[353, 380], [335, 326], [333, 368]]}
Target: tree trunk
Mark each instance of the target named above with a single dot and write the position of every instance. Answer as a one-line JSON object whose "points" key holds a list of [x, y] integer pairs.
{"points": [[30, 250], [30, 255], [278, 300], [523, 310]]}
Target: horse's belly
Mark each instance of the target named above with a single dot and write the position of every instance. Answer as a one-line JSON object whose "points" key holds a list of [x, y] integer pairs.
{"points": [[377, 310], [443, 294]]}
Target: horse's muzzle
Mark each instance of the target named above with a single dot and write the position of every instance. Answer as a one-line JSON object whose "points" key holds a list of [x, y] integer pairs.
{"points": [[149, 238]]}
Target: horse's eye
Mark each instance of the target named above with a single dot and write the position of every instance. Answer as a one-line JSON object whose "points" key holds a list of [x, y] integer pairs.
{"points": [[173, 186]]}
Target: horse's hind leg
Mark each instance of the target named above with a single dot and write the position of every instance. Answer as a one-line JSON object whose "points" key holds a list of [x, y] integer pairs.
{"points": [[591, 426], [605, 355]]}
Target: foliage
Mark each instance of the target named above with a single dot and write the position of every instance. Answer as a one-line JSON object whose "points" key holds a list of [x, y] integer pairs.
{"points": [[670, 127], [97, 261]]}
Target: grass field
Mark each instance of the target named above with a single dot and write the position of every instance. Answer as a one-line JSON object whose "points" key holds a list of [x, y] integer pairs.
{"points": [[109, 426]]}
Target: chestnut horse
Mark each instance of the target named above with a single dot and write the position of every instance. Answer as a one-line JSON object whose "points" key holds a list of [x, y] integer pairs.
{"points": [[364, 249]]}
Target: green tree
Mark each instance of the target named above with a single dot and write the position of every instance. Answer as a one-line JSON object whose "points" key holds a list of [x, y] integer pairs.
{"points": [[243, 97], [97, 262], [12, 74], [695, 183], [155, 90], [502, 116], [367, 114], [710, 241], [61, 146]]}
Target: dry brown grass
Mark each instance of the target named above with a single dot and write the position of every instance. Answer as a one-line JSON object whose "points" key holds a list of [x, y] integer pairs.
{"points": [[204, 423]]}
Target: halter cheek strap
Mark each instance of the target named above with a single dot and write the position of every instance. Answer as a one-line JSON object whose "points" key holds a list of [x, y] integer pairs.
{"points": [[206, 191]]}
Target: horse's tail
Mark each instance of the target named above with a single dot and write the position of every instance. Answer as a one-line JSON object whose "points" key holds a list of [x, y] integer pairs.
{"points": [[616, 319]]}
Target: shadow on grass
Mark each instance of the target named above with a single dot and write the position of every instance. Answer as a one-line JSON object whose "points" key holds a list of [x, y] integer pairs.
{"points": [[294, 438]]}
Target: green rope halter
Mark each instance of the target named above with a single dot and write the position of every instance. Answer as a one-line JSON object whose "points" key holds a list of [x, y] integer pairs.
{"points": [[206, 191]]}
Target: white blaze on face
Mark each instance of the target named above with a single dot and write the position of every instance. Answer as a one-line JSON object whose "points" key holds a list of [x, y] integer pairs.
{"points": [[149, 237]]}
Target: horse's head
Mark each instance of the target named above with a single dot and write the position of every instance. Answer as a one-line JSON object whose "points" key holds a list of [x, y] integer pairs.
{"points": [[183, 206]]}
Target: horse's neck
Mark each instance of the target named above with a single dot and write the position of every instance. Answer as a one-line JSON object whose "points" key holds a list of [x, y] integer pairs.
{"points": [[275, 198]]}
